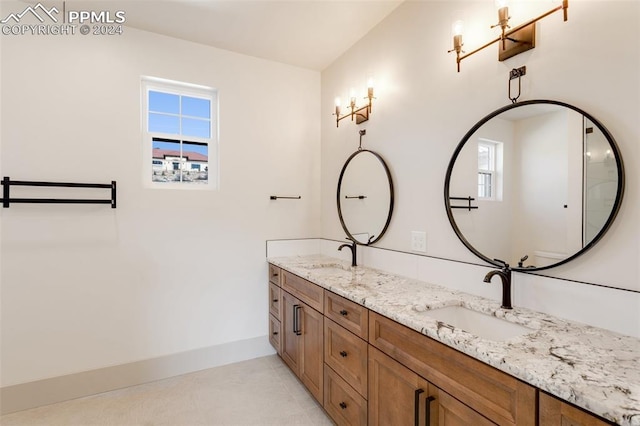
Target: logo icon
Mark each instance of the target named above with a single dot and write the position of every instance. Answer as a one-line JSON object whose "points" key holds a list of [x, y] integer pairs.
{"points": [[38, 11]]}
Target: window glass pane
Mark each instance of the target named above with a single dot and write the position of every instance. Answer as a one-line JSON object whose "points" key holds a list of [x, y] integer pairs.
{"points": [[164, 123], [196, 107], [197, 162], [484, 157], [166, 161], [195, 127], [484, 185], [164, 102]]}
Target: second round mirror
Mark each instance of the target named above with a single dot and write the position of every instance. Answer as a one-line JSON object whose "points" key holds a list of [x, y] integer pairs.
{"points": [[365, 197]]}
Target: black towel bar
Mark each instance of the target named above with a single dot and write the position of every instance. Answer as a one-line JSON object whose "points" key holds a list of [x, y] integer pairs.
{"points": [[7, 183]]}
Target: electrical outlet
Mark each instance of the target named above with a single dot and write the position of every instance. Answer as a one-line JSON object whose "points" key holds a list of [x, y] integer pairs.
{"points": [[419, 241]]}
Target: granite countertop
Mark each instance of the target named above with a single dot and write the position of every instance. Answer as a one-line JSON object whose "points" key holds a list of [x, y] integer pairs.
{"points": [[593, 368]]}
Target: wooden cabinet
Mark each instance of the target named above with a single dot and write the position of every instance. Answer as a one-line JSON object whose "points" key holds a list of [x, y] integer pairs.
{"points": [[275, 331], [348, 314], [553, 411], [304, 290], [397, 395], [345, 357], [302, 342], [366, 369], [274, 274], [275, 301], [342, 402], [346, 354], [275, 308], [498, 396]]}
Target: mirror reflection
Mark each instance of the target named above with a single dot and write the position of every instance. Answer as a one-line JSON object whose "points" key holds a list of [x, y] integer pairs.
{"points": [[365, 197], [545, 181]]}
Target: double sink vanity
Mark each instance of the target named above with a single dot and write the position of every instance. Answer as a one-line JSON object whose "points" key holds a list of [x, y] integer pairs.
{"points": [[380, 349]]}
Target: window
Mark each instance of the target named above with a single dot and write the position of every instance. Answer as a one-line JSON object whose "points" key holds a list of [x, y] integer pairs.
{"points": [[180, 134], [487, 176]]}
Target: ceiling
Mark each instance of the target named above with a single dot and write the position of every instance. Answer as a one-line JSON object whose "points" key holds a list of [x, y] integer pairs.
{"points": [[305, 33]]}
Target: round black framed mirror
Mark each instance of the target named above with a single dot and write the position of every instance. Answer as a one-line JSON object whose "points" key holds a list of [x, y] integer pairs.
{"points": [[534, 184], [365, 197]]}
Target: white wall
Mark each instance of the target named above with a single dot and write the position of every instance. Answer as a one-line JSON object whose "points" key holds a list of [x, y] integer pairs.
{"points": [[168, 271], [424, 108]]}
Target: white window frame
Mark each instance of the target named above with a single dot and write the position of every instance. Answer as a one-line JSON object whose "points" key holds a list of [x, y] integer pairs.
{"points": [[185, 89], [492, 170]]}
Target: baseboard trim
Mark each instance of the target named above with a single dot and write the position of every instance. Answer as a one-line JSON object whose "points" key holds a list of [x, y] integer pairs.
{"points": [[57, 389]]}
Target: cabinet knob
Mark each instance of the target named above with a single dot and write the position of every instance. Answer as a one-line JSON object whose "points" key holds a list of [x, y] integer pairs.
{"points": [[275, 333], [344, 313], [343, 405], [343, 354], [275, 300]]}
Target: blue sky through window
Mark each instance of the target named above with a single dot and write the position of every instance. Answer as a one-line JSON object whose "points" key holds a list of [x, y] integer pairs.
{"points": [[186, 147], [179, 115]]}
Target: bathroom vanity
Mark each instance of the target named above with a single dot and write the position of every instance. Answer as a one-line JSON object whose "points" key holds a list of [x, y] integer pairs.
{"points": [[379, 349]]}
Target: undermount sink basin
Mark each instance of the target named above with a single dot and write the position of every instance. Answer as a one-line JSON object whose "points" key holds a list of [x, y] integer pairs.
{"points": [[479, 324]]}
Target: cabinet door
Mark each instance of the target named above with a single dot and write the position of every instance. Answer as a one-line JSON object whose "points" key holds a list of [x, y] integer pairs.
{"points": [[452, 412], [556, 412], [397, 395], [498, 396], [290, 342], [312, 356]]}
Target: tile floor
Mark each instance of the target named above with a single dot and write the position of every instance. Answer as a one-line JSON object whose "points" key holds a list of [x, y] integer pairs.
{"points": [[258, 392]]}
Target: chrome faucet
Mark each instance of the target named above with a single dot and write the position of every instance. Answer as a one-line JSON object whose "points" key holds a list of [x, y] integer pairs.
{"points": [[351, 247], [505, 277]]}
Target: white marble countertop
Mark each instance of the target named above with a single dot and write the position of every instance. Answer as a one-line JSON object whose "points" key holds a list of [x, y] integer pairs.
{"points": [[593, 368]]}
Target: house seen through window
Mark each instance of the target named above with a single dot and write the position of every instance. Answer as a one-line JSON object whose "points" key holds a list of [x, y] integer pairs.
{"points": [[180, 134]]}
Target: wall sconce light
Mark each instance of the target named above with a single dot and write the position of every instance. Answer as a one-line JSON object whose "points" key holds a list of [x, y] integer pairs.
{"points": [[513, 40], [361, 114]]}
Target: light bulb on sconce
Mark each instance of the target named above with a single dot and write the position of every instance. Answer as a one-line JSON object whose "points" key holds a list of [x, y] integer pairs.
{"points": [[503, 19], [457, 29], [370, 83], [337, 113], [352, 100], [361, 114], [513, 40]]}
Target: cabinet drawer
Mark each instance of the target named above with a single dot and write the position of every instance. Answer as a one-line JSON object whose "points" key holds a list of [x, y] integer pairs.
{"points": [[274, 274], [346, 354], [501, 398], [344, 405], [348, 314], [275, 331], [275, 301], [304, 290]]}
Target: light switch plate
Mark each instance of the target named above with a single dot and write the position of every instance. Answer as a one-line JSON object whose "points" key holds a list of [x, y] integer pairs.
{"points": [[419, 241]]}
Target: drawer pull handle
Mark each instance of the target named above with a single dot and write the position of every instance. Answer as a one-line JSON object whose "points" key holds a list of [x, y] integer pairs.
{"points": [[344, 313], [296, 320], [427, 409], [275, 333], [416, 407], [343, 405], [275, 300], [343, 354]]}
